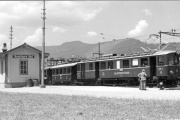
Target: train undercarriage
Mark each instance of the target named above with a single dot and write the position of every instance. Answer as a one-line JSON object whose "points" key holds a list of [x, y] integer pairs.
{"points": [[129, 81]]}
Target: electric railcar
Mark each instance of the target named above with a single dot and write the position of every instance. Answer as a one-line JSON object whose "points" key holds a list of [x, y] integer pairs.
{"points": [[121, 70]]}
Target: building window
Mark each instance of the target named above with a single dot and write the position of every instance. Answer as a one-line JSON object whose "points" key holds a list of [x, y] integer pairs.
{"points": [[23, 67]]}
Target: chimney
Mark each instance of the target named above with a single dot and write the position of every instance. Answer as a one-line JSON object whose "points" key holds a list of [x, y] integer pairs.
{"points": [[4, 47]]}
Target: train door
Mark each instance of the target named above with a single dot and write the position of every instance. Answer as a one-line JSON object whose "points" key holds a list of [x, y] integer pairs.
{"points": [[49, 76], [74, 73], [152, 67], [96, 70], [83, 70]]}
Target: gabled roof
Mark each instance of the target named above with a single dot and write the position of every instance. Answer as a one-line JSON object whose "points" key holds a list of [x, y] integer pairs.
{"points": [[23, 45]]}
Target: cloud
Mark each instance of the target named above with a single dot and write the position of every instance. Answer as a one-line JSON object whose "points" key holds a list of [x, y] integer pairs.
{"points": [[140, 27], [3, 37], [73, 11], [87, 15], [58, 29], [28, 13], [20, 12], [36, 37], [147, 12], [91, 34]]}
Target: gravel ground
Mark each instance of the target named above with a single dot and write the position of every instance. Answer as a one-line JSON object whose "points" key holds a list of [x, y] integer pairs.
{"points": [[101, 91]]}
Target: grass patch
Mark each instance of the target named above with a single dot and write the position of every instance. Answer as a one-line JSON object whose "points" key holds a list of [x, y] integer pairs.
{"points": [[20, 106]]}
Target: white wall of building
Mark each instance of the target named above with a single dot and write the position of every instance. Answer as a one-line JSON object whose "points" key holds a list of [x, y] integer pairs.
{"points": [[2, 71], [14, 65]]}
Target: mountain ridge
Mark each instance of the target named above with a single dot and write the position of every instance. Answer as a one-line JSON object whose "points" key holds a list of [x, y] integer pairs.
{"points": [[80, 49]]}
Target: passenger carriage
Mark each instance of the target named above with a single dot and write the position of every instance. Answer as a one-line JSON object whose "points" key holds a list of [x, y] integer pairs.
{"points": [[47, 75], [63, 74], [161, 66], [123, 70]]}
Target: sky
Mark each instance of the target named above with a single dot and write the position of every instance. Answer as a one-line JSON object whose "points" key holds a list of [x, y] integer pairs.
{"points": [[87, 21]]}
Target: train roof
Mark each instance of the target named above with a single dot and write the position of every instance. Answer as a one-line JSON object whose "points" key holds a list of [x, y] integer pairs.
{"points": [[64, 65], [162, 52], [114, 58], [47, 68]]}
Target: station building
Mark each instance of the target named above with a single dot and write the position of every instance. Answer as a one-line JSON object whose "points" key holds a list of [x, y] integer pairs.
{"points": [[18, 65]]}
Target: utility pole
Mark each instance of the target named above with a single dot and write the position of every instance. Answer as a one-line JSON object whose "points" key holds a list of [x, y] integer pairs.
{"points": [[172, 33], [99, 52], [43, 46], [11, 37], [99, 49], [160, 40]]}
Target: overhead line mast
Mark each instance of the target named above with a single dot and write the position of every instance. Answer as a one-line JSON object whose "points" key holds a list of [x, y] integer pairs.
{"points": [[99, 52], [43, 46], [172, 33], [11, 37]]}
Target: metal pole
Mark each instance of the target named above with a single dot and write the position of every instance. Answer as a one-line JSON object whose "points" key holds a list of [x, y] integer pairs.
{"points": [[160, 40], [43, 48], [11, 37], [99, 50]]}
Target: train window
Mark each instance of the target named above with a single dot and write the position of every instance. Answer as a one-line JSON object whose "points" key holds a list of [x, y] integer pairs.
{"points": [[78, 67], [110, 65], [103, 65], [135, 62], [45, 73], [2, 68], [90, 66], [53, 72], [68, 70], [57, 71], [176, 59], [118, 65], [60, 71], [64, 70], [125, 63], [171, 60], [83, 67], [144, 62], [161, 60]]}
